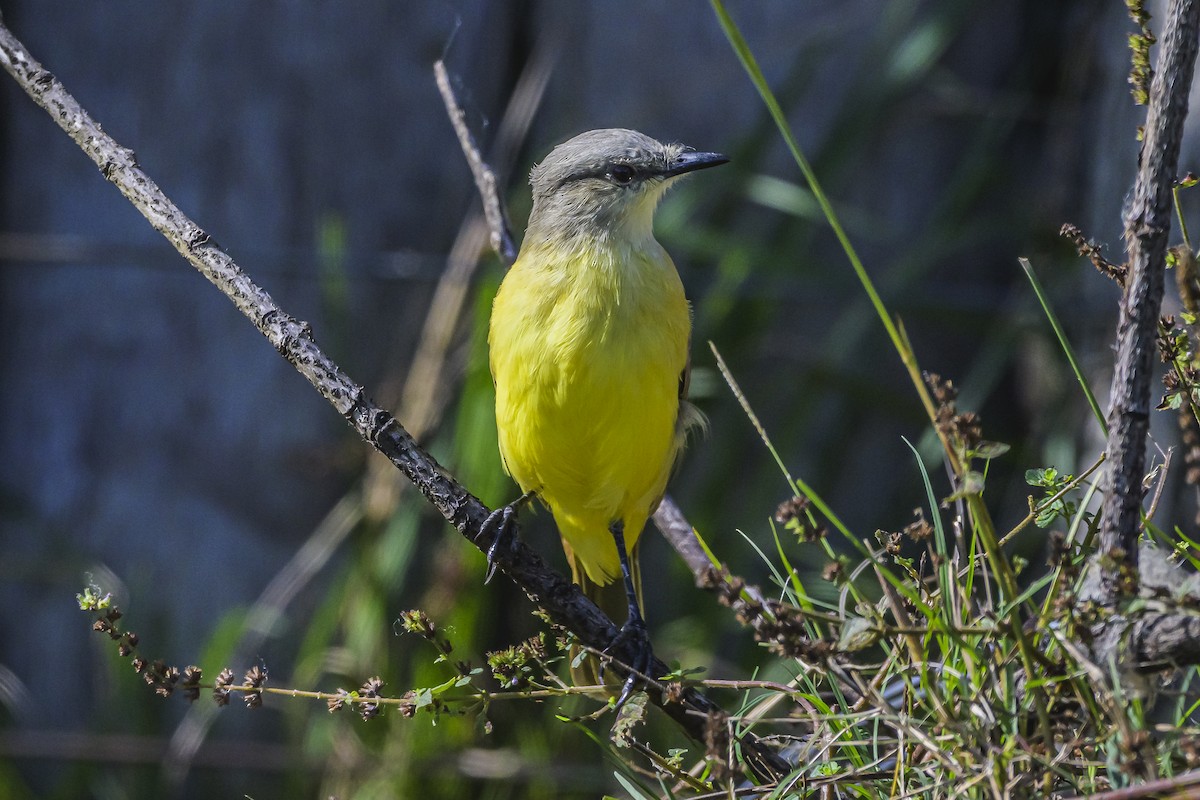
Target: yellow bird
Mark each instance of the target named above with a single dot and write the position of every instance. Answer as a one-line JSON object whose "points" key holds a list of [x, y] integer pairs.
{"points": [[589, 353]]}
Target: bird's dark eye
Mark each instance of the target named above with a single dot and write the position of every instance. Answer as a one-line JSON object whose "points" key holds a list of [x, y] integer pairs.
{"points": [[621, 173]]}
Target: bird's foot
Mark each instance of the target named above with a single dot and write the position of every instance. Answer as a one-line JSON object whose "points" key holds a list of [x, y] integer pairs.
{"points": [[501, 527], [633, 639]]}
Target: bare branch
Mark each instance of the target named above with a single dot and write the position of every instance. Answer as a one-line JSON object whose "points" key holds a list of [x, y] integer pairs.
{"points": [[1147, 225], [678, 531], [485, 179], [1159, 640]]}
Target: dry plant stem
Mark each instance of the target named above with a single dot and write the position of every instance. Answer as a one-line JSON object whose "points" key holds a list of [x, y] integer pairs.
{"points": [[915, 650], [472, 697], [1147, 225], [293, 339], [485, 179], [1034, 510], [1163, 470], [262, 618], [663, 768]]}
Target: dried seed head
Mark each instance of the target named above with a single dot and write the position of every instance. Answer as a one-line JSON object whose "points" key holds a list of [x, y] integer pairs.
{"points": [[370, 689], [1090, 250], [256, 676], [167, 680], [221, 687], [919, 530], [789, 510], [408, 704], [190, 684], [338, 701], [418, 622]]}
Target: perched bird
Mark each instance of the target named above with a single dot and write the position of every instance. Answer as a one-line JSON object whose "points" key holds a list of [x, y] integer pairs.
{"points": [[589, 353]]}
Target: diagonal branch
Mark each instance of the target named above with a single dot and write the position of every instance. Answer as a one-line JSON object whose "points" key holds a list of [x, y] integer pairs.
{"points": [[293, 338], [1147, 226]]}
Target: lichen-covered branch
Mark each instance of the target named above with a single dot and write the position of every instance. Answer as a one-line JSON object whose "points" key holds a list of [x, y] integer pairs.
{"points": [[1147, 225]]}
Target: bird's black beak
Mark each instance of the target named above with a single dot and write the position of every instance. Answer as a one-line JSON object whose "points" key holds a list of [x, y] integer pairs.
{"points": [[690, 162]]}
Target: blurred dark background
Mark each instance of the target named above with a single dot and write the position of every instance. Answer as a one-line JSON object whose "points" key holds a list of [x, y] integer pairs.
{"points": [[152, 442]]}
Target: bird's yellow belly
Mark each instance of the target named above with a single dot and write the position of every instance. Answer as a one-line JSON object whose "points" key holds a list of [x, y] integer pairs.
{"points": [[587, 398]]}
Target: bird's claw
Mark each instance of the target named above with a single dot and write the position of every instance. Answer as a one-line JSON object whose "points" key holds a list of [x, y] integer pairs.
{"points": [[642, 655], [499, 526]]}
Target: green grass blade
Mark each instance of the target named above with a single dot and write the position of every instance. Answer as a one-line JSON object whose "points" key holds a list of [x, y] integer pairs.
{"points": [[894, 331], [750, 63], [939, 535], [1063, 342]]}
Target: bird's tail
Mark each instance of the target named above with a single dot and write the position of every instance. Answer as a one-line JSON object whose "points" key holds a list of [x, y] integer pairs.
{"points": [[585, 668]]}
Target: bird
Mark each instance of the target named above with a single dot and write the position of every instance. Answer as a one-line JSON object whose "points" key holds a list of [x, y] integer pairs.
{"points": [[588, 348]]}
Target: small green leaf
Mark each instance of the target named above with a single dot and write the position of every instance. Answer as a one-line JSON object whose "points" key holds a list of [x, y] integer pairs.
{"points": [[990, 450], [1173, 401], [858, 633], [972, 484], [679, 673], [633, 712], [1041, 476]]}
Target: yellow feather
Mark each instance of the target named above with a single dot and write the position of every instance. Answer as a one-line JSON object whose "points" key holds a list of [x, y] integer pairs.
{"points": [[588, 338]]}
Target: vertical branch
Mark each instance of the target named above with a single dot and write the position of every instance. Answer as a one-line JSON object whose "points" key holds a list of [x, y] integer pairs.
{"points": [[1147, 225]]}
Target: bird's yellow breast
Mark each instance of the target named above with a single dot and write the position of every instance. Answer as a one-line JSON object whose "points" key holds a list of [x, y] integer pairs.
{"points": [[587, 344]]}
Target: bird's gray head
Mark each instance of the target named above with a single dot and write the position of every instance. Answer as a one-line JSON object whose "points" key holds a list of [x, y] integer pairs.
{"points": [[606, 181]]}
